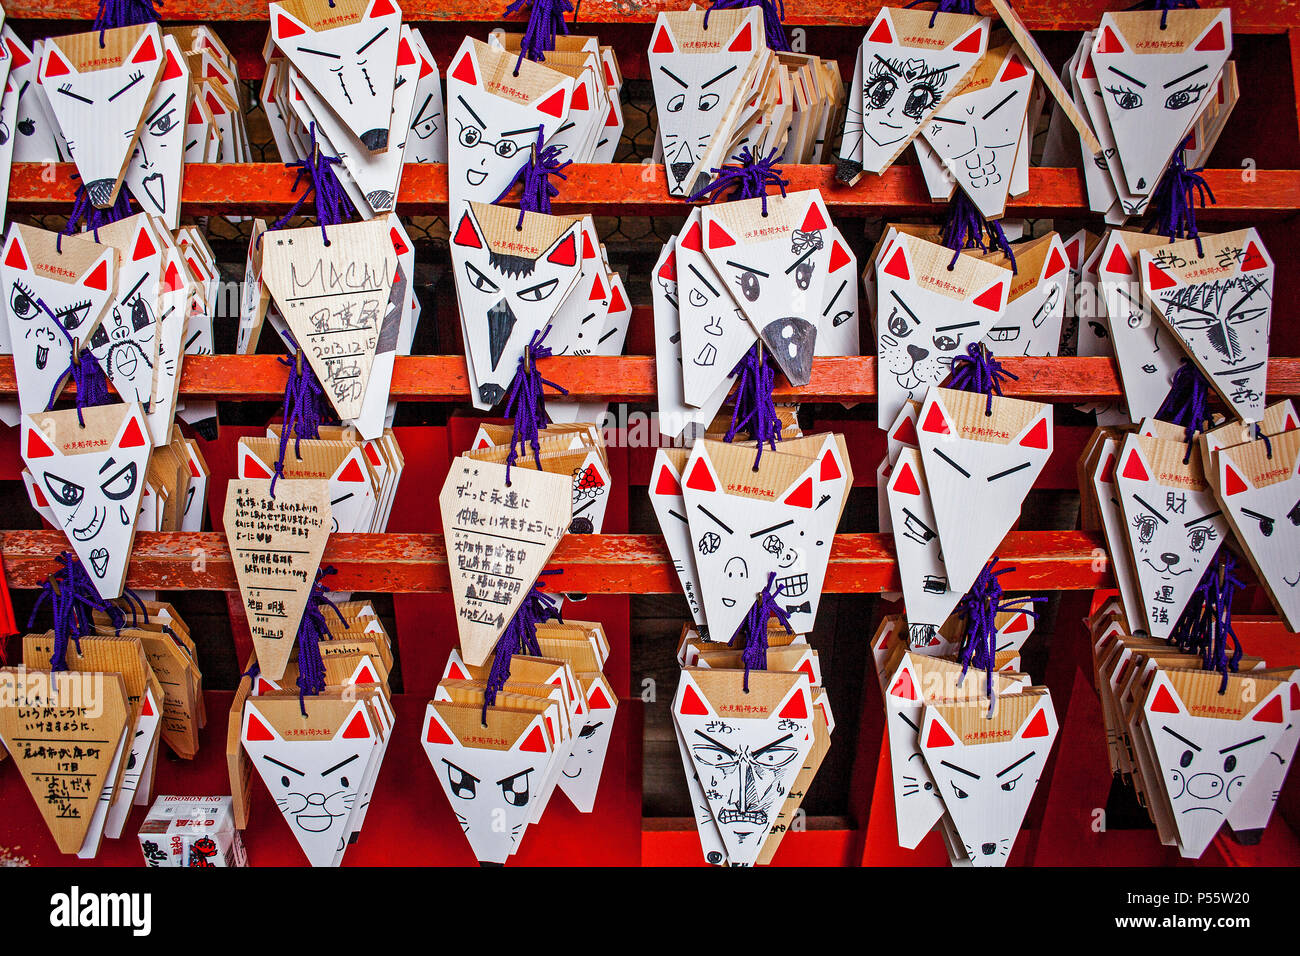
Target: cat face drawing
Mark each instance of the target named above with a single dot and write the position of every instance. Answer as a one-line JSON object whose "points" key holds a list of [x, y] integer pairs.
{"points": [[154, 171], [923, 323], [1173, 521], [1206, 760], [494, 115], [509, 281], [351, 62], [775, 267], [98, 94], [746, 765], [92, 478], [987, 777], [1154, 92], [54, 301], [906, 76], [315, 781], [492, 788], [696, 73]]}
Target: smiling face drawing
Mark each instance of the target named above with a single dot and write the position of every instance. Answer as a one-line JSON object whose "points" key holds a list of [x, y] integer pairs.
{"points": [[897, 94], [154, 171]]}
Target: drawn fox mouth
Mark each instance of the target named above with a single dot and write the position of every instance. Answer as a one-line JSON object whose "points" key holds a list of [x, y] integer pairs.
{"points": [[42, 356], [794, 585], [475, 177], [316, 822], [756, 817]]}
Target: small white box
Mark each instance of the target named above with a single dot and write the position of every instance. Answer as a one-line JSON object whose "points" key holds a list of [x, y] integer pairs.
{"points": [[191, 831]]}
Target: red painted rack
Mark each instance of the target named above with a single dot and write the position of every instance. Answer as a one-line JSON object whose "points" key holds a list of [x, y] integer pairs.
{"points": [[411, 562]]}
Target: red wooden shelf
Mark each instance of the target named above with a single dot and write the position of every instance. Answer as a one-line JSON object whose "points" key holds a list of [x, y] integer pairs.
{"points": [[592, 564], [1248, 16], [635, 189], [631, 378]]}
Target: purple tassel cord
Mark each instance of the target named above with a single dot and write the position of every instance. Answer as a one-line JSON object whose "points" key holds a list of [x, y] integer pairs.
{"points": [[752, 632], [1187, 404], [533, 178], [1205, 626], [526, 405], [520, 637], [86, 373], [979, 371], [87, 217], [123, 13], [773, 15], [73, 599], [755, 409], [301, 412], [313, 629], [964, 7], [748, 179], [980, 607], [545, 23], [1173, 202], [1164, 6], [966, 227]]}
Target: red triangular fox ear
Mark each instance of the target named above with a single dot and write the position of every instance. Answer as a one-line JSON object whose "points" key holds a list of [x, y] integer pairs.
{"points": [[1036, 725], [938, 734], [692, 703], [146, 50], [1164, 699], [97, 277], [144, 245], [356, 727], [55, 64], [663, 41], [971, 42], [881, 31], [700, 476], [436, 730], [284, 26], [465, 70], [16, 254], [35, 444], [1110, 41], [131, 434], [533, 740], [256, 726], [719, 237]]}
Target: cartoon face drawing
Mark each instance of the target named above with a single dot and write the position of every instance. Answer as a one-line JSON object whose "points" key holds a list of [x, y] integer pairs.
{"points": [[352, 64], [1174, 529], [99, 109], [1219, 306], [987, 787], [920, 555], [580, 776], [315, 782], [94, 492], [43, 336], [1152, 99], [963, 464], [1031, 323], [920, 330], [492, 792], [775, 269], [745, 766], [154, 171], [1207, 762], [904, 77], [977, 132], [508, 292], [490, 129]]}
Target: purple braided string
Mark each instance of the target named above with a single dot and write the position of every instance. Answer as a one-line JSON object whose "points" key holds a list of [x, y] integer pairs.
{"points": [[748, 179], [520, 637], [965, 228], [533, 178], [330, 199], [301, 410], [74, 600], [755, 408], [1187, 403], [964, 7], [752, 632], [980, 607], [123, 13], [87, 217], [545, 22], [86, 372], [1164, 6], [1205, 625], [313, 629], [979, 371], [773, 14], [526, 405], [1173, 206]]}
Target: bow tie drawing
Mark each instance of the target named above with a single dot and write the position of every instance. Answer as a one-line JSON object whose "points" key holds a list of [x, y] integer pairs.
{"points": [[805, 608]]}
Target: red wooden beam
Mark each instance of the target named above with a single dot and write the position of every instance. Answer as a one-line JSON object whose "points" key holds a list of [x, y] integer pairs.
{"points": [[633, 189], [631, 378], [594, 564], [1248, 16]]}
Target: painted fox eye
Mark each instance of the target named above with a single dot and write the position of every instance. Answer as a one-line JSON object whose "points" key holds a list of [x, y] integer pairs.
{"points": [[284, 781], [708, 101], [22, 303], [1180, 99], [898, 325], [1125, 98], [961, 794], [880, 91], [697, 298], [1230, 764], [66, 493], [676, 103], [121, 484], [469, 136], [713, 757], [749, 285], [1010, 785], [479, 280], [343, 781], [1185, 760], [803, 275], [540, 291], [946, 343], [921, 100], [776, 758]]}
